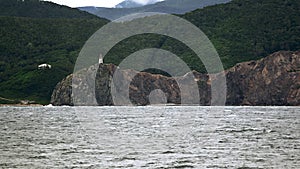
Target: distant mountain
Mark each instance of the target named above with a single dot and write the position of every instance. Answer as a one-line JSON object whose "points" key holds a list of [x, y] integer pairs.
{"points": [[167, 6], [128, 4], [135, 4]]}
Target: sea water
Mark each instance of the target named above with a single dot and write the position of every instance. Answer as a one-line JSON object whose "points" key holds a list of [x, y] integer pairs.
{"points": [[150, 137]]}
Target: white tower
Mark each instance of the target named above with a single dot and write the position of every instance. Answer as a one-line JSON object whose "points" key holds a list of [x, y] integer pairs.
{"points": [[100, 59]]}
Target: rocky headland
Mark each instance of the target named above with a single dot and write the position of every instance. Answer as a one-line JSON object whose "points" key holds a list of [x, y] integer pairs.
{"points": [[273, 80]]}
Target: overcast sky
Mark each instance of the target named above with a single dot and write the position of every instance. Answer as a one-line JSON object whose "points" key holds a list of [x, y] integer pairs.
{"points": [[98, 3]]}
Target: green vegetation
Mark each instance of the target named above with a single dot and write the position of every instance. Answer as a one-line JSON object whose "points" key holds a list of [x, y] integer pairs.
{"points": [[130, 45], [27, 42], [241, 30], [39, 9], [8, 101], [250, 29]]}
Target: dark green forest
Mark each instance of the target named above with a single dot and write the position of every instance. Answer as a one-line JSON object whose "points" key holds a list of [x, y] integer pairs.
{"points": [[241, 30], [246, 30], [29, 41], [39, 9]]}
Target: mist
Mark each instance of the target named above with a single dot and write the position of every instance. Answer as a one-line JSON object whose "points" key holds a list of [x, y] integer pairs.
{"points": [[144, 2]]}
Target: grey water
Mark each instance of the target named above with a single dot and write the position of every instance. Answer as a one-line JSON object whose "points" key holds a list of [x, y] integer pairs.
{"points": [[150, 137]]}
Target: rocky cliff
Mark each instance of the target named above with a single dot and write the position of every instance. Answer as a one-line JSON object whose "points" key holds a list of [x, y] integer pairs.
{"points": [[274, 80]]}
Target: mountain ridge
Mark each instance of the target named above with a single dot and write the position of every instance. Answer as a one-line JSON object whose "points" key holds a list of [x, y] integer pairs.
{"points": [[128, 4], [167, 6], [39, 9]]}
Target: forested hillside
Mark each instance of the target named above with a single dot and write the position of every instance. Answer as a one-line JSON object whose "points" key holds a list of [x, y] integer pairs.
{"points": [[240, 30], [39, 9], [27, 42], [250, 29]]}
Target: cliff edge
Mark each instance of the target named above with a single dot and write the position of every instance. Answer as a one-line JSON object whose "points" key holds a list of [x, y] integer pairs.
{"points": [[274, 80]]}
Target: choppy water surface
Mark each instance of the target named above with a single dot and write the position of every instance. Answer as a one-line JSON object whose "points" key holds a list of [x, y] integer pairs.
{"points": [[150, 137]]}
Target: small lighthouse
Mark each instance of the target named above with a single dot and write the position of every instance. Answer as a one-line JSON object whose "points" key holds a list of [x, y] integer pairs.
{"points": [[100, 59]]}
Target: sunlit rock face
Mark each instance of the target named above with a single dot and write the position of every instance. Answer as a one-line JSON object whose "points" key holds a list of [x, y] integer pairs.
{"points": [[274, 80]]}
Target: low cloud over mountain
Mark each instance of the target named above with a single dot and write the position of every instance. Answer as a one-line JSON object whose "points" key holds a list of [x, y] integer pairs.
{"points": [[136, 3], [128, 7]]}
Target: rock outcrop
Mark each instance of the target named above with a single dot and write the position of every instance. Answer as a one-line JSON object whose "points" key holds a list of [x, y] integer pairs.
{"points": [[274, 80], [62, 94]]}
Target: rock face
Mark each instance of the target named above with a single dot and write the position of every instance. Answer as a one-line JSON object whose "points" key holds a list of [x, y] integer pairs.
{"points": [[274, 80], [270, 81], [62, 94]]}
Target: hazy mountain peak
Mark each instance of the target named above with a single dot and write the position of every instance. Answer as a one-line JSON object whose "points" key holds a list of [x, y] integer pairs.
{"points": [[128, 7], [136, 3]]}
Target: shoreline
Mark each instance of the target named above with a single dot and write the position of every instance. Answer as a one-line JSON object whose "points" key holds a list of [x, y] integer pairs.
{"points": [[21, 105], [40, 105]]}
